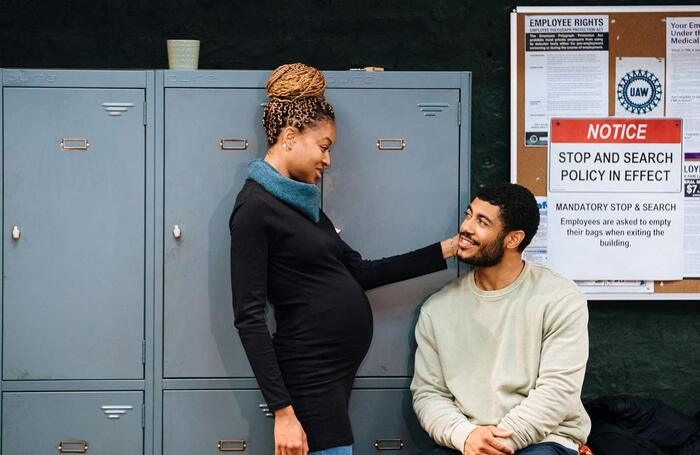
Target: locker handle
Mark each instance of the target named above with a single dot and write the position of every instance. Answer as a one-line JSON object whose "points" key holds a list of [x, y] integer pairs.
{"points": [[243, 143], [84, 144], [177, 232], [62, 446], [16, 233], [391, 144], [388, 444], [237, 445]]}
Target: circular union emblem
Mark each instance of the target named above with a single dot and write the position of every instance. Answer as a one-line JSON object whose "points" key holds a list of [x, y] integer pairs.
{"points": [[639, 91]]}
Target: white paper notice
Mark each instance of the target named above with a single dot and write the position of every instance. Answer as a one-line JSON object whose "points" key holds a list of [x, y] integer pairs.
{"points": [[615, 199], [566, 71], [683, 78], [691, 236], [536, 252], [639, 87]]}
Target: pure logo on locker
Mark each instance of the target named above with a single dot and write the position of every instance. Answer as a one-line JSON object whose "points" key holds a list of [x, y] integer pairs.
{"points": [[12, 78]]}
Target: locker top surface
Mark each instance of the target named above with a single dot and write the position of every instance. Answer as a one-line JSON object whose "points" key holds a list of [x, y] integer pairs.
{"points": [[334, 79], [74, 78]]}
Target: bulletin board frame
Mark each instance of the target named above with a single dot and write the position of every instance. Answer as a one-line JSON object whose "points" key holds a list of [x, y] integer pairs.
{"points": [[634, 31]]}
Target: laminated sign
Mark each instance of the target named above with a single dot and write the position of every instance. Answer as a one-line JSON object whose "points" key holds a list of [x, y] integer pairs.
{"points": [[615, 198]]}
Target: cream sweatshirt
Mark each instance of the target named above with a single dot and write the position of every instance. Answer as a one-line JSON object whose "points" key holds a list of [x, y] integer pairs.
{"points": [[514, 358]]}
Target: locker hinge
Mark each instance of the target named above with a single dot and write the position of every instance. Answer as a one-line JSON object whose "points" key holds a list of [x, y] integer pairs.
{"points": [[143, 352], [145, 121], [143, 415], [459, 114]]}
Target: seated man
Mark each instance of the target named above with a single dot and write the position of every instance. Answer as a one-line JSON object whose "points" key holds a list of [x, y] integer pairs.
{"points": [[502, 350]]}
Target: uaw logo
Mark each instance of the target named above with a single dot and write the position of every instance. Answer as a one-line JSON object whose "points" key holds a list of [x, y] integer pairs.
{"points": [[639, 92]]}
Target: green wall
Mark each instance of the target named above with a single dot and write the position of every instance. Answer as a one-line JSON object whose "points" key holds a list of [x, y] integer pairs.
{"points": [[644, 348]]}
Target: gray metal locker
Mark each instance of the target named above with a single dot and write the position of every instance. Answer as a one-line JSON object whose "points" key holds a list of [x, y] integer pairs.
{"points": [[393, 186], [210, 136], [74, 224], [387, 197], [384, 421], [78, 289], [203, 422], [44, 423]]}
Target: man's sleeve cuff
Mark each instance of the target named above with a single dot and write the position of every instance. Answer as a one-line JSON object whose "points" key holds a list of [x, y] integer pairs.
{"points": [[460, 434]]}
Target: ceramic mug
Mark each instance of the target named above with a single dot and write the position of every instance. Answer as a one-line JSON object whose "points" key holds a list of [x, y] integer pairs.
{"points": [[183, 54]]}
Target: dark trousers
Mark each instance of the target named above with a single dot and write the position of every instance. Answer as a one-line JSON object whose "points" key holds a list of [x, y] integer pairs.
{"points": [[544, 448]]}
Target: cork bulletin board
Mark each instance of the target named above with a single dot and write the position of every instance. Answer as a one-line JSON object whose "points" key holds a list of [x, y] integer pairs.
{"points": [[633, 31]]}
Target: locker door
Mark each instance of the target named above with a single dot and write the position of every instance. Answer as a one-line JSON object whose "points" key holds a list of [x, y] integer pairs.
{"points": [[73, 229], [202, 179], [105, 423], [203, 422], [393, 186], [384, 421]]}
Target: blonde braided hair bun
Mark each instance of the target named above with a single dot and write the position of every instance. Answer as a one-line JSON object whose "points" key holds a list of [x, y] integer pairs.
{"points": [[296, 99], [294, 81]]}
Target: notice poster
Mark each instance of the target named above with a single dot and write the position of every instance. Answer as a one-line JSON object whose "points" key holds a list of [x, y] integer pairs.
{"points": [[566, 71], [683, 79], [683, 100], [615, 199], [536, 252], [639, 88]]}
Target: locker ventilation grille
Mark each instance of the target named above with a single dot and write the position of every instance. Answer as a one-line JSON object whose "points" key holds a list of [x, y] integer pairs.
{"points": [[116, 109], [115, 412], [432, 109]]}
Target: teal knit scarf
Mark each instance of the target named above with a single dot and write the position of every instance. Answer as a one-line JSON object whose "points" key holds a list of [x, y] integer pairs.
{"points": [[304, 197]]}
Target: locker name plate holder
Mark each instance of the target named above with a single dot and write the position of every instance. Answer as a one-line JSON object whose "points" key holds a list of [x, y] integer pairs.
{"points": [[234, 445], [78, 446], [388, 444], [238, 143], [72, 144], [391, 144]]}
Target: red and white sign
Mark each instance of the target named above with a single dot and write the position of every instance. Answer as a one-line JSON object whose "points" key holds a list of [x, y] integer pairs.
{"points": [[615, 198]]}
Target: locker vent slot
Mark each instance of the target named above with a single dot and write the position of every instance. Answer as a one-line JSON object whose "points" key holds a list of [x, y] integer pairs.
{"points": [[116, 411], [432, 109], [116, 109]]}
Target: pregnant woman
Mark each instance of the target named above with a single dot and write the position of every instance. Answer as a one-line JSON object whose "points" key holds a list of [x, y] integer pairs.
{"points": [[285, 250]]}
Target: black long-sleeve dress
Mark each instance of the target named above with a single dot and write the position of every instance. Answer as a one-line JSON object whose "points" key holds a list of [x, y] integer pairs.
{"points": [[316, 284]]}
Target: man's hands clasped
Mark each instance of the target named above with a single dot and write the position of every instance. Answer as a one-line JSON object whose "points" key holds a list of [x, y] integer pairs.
{"points": [[485, 441]]}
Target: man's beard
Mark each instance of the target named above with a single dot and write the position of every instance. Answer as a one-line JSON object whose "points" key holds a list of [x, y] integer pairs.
{"points": [[489, 254]]}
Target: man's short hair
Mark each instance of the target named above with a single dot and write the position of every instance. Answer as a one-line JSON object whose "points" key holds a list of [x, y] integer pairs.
{"points": [[518, 206]]}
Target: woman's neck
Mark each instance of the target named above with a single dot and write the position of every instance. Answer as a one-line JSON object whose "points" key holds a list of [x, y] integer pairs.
{"points": [[275, 160]]}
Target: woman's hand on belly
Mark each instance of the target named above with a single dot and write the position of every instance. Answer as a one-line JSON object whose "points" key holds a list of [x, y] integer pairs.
{"points": [[290, 438]]}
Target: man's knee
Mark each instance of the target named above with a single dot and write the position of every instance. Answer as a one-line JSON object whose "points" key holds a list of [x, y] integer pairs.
{"points": [[440, 450], [546, 448]]}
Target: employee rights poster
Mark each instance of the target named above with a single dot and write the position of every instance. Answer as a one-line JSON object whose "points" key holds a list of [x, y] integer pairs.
{"points": [[615, 199], [566, 71]]}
